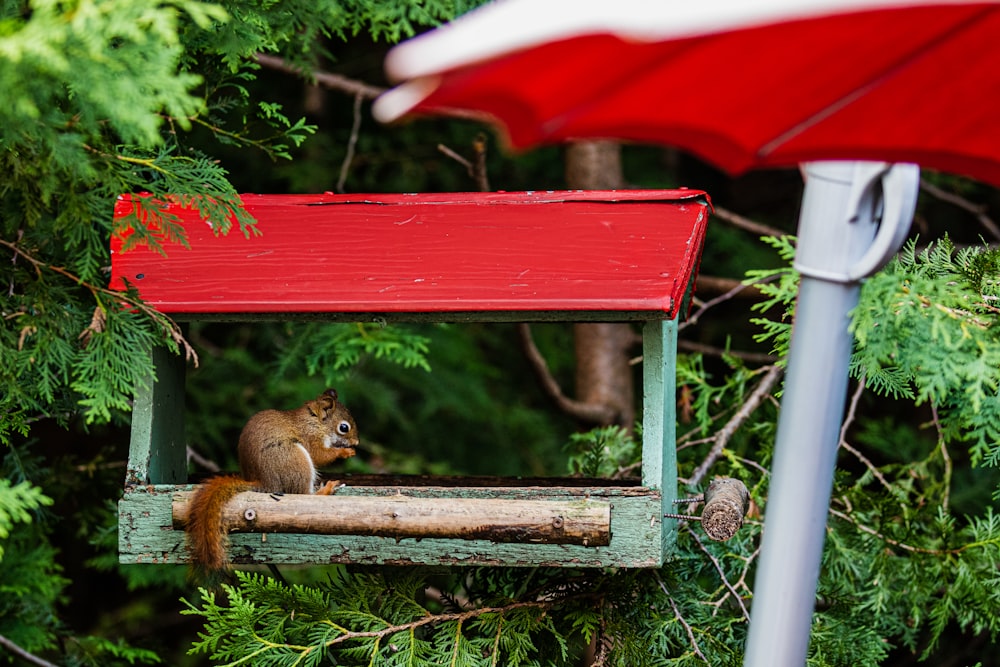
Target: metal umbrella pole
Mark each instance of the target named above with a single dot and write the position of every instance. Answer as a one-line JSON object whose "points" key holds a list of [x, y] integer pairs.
{"points": [[854, 218]]}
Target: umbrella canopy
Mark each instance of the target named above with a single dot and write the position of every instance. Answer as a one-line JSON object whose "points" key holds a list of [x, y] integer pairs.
{"points": [[741, 84], [751, 84]]}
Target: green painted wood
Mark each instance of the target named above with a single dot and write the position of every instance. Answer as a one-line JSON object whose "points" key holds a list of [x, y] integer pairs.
{"points": [[158, 453], [659, 419], [147, 536], [640, 535]]}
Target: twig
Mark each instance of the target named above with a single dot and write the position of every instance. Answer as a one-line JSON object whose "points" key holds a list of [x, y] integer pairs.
{"points": [[753, 464], [431, 619], [758, 395], [977, 210], [329, 80], [991, 542], [677, 615], [707, 284], [352, 143], [752, 357], [746, 224], [848, 420], [589, 412], [944, 455], [24, 655], [475, 169], [722, 573], [207, 464], [164, 321], [13, 262], [479, 166], [722, 298], [896, 543], [457, 158]]}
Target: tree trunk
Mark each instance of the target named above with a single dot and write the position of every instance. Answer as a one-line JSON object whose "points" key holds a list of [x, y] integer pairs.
{"points": [[603, 373]]}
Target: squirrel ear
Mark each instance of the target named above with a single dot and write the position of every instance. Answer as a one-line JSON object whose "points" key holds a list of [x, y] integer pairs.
{"points": [[324, 403]]}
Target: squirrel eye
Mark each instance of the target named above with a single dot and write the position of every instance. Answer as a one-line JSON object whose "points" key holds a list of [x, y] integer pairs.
{"points": [[344, 428]]}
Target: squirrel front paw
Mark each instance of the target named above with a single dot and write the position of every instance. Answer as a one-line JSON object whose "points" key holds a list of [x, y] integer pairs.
{"points": [[329, 488]]}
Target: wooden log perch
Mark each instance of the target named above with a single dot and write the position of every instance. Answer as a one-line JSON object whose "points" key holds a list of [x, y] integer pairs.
{"points": [[726, 503], [585, 522]]}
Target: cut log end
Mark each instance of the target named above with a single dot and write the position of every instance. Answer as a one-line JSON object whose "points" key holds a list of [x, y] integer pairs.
{"points": [[726, 503]]}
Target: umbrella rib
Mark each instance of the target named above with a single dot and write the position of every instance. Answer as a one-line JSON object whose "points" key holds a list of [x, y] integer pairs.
{"points": [[845, 101]]}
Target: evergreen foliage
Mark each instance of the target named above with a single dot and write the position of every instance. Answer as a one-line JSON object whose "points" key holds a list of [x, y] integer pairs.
{"points": [[928, 329], [106, 98]]}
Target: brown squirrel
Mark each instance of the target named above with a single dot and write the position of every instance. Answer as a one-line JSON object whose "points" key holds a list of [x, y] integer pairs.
{"points": [[279, 452]]}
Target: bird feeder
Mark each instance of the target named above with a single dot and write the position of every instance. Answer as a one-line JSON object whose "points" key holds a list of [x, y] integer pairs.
{"points": [[621, 256]]}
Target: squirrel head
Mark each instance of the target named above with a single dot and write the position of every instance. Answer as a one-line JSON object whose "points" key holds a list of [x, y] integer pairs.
{"points": [[340, 433]]}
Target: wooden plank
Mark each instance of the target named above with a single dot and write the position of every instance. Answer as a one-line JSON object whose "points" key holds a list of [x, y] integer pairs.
{"points": [[659, 419], [578, 521], [629, 251], [146, 534], [157, 453]]}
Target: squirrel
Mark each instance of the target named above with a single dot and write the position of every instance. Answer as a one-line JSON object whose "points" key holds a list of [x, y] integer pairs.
{"points": [[279, 451]]}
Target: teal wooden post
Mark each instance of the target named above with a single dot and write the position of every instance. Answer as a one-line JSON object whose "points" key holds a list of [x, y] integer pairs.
{"points": [[158, 451], [659, 421]]}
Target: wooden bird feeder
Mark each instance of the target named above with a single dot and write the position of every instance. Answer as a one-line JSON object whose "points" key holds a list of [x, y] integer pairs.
{"points": [[628, 256]]}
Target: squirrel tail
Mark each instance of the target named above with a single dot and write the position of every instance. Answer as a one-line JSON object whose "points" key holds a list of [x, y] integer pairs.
{"points": [[207, 537]]}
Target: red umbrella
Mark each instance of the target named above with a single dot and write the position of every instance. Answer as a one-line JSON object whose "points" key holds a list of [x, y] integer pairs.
{"points": [[751, 84], [722, 79]]}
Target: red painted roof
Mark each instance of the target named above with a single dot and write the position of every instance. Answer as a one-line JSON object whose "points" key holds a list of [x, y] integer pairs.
{"points": [[427, 253]]}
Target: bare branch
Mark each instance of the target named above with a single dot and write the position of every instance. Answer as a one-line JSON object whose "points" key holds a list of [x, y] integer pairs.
{"points": [[746, 224], [352, 142], [476, 168], [329, 80], [906, 547], [722, 573], [977, 210], [479, 165], [752, 357], [24, 655], [353, 87], [598, 414], [722, 298], [206, 463], [721, 285], [760, 392], [848, 420], [457, 158], [683, 622], [944, 455]]}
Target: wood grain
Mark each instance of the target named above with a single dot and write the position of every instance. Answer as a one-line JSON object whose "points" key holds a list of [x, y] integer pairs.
{"points": [[582, 521]]}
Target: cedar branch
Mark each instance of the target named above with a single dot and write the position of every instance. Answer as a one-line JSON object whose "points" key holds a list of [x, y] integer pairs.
{"points": [[168, 325]]}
